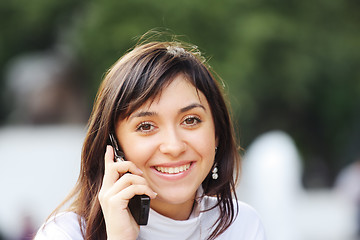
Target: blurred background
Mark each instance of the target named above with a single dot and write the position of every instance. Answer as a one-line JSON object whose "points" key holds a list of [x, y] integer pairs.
{"points": [[291, 72]]}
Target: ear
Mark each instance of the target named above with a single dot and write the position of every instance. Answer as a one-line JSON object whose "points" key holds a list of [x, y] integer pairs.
{"points": [[216, 141]]}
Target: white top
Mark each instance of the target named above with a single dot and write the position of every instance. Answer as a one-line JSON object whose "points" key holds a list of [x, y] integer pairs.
{"points": [[246, 226]]}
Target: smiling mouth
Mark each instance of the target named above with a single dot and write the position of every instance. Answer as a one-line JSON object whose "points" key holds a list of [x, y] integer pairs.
{"points": [[173, 170]]}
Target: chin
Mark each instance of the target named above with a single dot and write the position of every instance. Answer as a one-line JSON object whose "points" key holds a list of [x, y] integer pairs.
{"points": [[176, 197]]}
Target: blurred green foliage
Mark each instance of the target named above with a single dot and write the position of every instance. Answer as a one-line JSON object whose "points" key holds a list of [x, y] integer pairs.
{"points": [[289, 65]]}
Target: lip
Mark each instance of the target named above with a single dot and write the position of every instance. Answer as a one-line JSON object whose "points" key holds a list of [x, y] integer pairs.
{"points": [[173, 176]]}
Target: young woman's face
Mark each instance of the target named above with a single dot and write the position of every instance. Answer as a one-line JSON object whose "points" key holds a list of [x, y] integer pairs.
{"points": [[172, 140]]}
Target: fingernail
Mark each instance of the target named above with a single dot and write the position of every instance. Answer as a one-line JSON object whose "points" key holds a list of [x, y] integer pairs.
{"points": [[141, 172], [155, 195]]}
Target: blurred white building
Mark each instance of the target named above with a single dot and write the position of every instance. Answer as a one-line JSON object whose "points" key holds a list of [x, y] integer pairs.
{"points": [[38, 167], [271, 183]]}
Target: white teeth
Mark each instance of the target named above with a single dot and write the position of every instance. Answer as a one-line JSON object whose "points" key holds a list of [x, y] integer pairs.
{"points": [[173, 170]]}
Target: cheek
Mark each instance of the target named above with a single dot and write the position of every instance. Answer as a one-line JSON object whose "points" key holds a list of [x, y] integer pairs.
{"points": [[205, 142], [137, 151]]}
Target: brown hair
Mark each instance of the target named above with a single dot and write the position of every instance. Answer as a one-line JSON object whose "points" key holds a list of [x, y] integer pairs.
{"points": [[135, 78]]}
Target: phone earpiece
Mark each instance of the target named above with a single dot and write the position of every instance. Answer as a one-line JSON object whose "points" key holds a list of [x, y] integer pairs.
{"points": [[119, 155]]}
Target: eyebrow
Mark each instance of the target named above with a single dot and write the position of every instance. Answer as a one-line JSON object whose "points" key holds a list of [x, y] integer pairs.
{"points": [[182, 110], [143, 114], [192, 106]]}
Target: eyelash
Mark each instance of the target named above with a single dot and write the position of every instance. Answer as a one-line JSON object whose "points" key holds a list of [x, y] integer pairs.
{"points": [[143, 124], [139, 128], [197, 120]]}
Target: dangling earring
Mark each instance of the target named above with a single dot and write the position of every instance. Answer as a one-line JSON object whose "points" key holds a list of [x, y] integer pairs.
{"points": [[215, 175], [214, 171]]}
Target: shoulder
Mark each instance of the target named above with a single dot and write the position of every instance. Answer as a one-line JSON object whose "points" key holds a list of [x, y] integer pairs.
{"points": [[246, 225], [63, 226]]}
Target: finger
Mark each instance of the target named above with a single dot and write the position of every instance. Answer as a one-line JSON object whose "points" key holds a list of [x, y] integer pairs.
{"points": [[126, 166], [133, 190], [122, 166], [109, 155], [125, 181], [114, 170]]}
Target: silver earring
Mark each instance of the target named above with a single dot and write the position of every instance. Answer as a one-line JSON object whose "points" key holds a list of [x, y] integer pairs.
{"points": [[215, 174]]}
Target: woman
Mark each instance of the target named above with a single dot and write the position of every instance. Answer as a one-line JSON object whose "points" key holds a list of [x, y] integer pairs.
{"points": [[167, 114]]}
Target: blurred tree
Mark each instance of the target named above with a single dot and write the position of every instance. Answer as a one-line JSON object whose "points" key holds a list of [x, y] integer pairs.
{"points": [[27, 27], [300, 76], [289, 65]]}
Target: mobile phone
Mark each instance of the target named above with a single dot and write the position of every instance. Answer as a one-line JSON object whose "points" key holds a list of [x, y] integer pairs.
{"points": [[139, 205]]}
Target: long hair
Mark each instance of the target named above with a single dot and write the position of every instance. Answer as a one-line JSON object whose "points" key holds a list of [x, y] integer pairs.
{"points": [[138, 76]]}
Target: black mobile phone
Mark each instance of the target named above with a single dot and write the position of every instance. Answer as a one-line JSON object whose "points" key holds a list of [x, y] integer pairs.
{"points": [[139, 205]]}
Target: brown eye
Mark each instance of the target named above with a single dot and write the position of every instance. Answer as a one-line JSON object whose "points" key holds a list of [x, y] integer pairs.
{"points": [[191, 121], [145, 127]]}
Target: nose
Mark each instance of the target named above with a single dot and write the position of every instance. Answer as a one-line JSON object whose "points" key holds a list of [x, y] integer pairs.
{"points": [[173, 143]]}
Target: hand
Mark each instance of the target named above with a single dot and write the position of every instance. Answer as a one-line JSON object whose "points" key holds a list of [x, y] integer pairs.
{"points": [[122, 180]]}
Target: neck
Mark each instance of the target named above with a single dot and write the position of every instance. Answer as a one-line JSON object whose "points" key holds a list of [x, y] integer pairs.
{"points": [[180, 211]]}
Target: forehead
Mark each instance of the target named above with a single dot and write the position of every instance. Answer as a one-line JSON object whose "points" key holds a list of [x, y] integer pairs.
{"points": [[179, 92]]}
